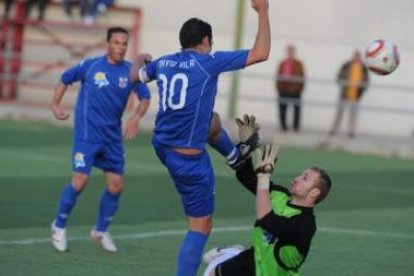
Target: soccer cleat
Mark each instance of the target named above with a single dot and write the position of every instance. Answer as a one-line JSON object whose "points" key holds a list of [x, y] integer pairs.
{"points": [[104, 239], [216, 252], [58, 237], [212, 254], [245, 148]]}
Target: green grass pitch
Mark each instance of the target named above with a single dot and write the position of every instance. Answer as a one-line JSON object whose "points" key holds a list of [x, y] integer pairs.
{"points": [[366, 226]]}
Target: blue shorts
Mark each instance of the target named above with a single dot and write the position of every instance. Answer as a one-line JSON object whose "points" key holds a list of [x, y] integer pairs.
{"points": [[193, 177], [109, 157]]}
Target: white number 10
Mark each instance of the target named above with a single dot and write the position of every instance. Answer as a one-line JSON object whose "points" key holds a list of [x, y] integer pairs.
{"points": [[167, 100]]}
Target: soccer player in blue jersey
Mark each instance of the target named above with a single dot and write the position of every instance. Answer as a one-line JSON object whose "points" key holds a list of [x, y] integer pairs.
{"points": [[105, 89], [187, 83]]}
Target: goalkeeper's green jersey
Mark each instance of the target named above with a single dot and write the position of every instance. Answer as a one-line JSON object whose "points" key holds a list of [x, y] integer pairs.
{"points": [[281, 239]]}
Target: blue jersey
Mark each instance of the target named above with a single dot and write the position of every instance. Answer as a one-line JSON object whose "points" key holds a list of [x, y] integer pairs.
{"points": [[187, 84], [104, 92]]}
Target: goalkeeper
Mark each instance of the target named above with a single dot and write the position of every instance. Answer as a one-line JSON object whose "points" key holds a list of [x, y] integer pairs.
{"points": [[285, 223]]}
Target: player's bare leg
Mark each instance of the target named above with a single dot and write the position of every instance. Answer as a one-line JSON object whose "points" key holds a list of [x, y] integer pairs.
{"points": [[202, 225]]}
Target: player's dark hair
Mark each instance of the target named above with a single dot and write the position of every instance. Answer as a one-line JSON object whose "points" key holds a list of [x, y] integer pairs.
{"points": [[193, 31], [114, 30], [323, 184]]}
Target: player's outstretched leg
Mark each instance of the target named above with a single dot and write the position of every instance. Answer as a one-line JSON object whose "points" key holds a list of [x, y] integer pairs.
{"points": [[248, 139], [220, 140]]}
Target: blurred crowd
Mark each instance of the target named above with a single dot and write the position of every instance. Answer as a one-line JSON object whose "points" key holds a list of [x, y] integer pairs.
{"points": [[352, 79], [88, 10]]}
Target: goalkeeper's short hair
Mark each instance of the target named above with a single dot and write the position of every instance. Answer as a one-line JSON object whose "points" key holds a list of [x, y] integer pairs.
{"points": [[323, 184]]}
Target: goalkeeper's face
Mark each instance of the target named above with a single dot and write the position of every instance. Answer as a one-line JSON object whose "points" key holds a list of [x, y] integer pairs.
{"points": [[304, 186], [117, 47]]}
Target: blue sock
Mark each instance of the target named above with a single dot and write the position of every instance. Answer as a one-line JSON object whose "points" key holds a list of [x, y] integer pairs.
{"points": [[107, 209], [189, 256], [67, 201], [225, 146]]}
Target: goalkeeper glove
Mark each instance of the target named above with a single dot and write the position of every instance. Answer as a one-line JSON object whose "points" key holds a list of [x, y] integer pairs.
{"points": [[247, 127], [248, 138], [264, 160]]}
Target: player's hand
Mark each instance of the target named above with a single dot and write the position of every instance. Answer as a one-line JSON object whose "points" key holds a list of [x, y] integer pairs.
{"points": [[265, 158], [260, 5], [138, 62], [145, 57], [132, 127], [59, 112], [142, 59], [247, 127]]}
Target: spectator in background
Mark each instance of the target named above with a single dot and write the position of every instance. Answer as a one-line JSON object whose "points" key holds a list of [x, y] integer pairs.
{"points": [[353, 80], [289, 84], [42, 5], [7, 8], [97, 7], [83, 7]]}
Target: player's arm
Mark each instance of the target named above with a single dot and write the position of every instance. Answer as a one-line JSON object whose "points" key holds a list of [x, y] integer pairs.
{"points": [[291, 235], [138, 70], [234, 60], [263, 160], [57, 109], [132, 124], [261, 48], [247, 176], [280, 226], [70, 76]]}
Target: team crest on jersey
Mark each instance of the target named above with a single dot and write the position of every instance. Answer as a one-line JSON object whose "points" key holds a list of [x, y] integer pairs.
{"points": [[79, 160], [100, 79], [123, 82]]}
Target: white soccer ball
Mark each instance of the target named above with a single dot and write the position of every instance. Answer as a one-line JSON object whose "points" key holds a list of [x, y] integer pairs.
{"points": [[381, 57]]}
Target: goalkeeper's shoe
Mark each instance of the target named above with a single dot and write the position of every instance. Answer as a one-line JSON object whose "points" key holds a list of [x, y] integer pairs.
{"points": [[216, 252], [58, 237], [104, 239], [244, 149]]}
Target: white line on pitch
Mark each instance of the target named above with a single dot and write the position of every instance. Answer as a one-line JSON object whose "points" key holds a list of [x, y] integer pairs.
{"points": [[166, 233]]}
